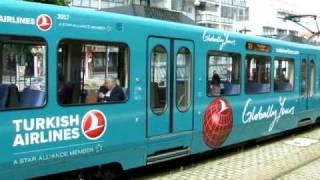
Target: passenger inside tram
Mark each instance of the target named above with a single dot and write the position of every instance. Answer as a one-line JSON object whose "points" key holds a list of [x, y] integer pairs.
{"points": [[110, 91], [215, 84]]}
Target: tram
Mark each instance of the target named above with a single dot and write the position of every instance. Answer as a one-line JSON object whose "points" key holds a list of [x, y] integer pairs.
{"points": [[184, 89]]}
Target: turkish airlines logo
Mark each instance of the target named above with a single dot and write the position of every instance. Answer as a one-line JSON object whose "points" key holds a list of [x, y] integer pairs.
{"points": [[44, 22], [94, 124]]}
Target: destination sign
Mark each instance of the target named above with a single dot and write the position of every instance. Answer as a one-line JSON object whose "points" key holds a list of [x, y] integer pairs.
{"points": [[258, 47]]}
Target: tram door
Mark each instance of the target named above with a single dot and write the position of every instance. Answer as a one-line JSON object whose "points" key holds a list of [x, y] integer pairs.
{"points": [[170, 78], [307, 82]]}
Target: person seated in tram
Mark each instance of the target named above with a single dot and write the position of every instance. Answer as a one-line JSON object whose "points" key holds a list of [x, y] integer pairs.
{"points": [[282, 76], [215, 84], [110, 91]]}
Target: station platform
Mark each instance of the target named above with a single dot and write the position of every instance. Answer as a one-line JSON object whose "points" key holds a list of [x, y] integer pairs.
{"points": [[295, 155]]}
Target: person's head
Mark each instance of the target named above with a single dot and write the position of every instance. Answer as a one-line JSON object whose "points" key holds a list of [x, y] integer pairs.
{"points": [[110, 82]]}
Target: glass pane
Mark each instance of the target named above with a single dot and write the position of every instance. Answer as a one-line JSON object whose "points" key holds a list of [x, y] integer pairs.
{"points": [[283, 74], [92, 72], [258, 74], [223, 74], [158, 79], [183, 79], [303, 78], [312, 79], [23, 73]]}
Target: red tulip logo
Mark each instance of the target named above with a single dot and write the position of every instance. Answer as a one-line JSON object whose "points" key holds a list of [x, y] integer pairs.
{"points": [[218, 122], [94, 124], [44, 22]]}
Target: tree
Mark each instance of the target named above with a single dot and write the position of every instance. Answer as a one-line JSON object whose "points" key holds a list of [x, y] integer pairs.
{"points": [[57, 2]]}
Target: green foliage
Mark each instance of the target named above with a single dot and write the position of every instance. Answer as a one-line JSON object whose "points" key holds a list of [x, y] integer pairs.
{"points": [[57, 2]]}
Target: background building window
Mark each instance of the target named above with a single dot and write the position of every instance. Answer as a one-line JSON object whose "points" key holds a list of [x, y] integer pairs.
{"points": [[258, 74], [268, 31], [282, 32], [283, 74], [223, 74], [227, 12], [87, 69], [22, 72]]}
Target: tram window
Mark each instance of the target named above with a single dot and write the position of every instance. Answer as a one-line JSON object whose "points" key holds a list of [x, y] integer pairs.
{"points": [[312, 85], [183, 79], [92, 72], [22, 72], [223, 74], [303, 86], [258, 74], [283, 74], [159, 79]]}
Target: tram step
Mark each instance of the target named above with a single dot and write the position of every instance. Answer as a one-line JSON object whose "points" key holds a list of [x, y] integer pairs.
{"points": [[305, 122], [168, 155]]}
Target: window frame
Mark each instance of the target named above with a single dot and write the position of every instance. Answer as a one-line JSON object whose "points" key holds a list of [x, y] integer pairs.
{"points": [[46, 44], [211, 52], [246, 74], [294, 73], [96, 42]]}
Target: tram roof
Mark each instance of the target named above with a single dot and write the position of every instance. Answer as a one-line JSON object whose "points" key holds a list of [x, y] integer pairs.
{"points": [[23, 6]]}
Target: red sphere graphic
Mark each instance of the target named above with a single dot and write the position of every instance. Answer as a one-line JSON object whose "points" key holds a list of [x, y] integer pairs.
{"points": [[44, 22], [218, 122], [94, 124]]}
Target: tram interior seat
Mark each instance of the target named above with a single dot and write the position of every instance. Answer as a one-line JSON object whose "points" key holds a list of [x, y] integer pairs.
{"points": [[254, 87], [162, 96], [4, 94], [32, 98], [231, 89], [283, 86], [155, 95], [182, 93], [125, 92], [14, 96], [9, 96], [71, 93]]}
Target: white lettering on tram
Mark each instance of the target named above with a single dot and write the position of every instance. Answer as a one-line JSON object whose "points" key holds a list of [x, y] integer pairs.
{"points": [[222, 40], [251, 114], [287, 51], [17, 20], [46, 130]]}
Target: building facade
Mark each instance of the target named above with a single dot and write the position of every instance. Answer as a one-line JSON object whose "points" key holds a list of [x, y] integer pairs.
{"points": [[220, 14], [267, 19]]}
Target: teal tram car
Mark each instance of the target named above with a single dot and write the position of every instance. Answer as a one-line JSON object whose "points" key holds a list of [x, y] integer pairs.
{"points": [[89, 89]]}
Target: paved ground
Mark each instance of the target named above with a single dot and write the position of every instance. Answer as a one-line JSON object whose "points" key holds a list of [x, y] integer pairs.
{"points": [[293, 156]]}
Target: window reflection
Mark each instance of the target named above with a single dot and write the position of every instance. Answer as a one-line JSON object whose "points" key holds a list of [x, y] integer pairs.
{"points": [[183, 79], [303, 87], [92, 72], [283, 74], [158, 79], [258, 74], [23, 72]]}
